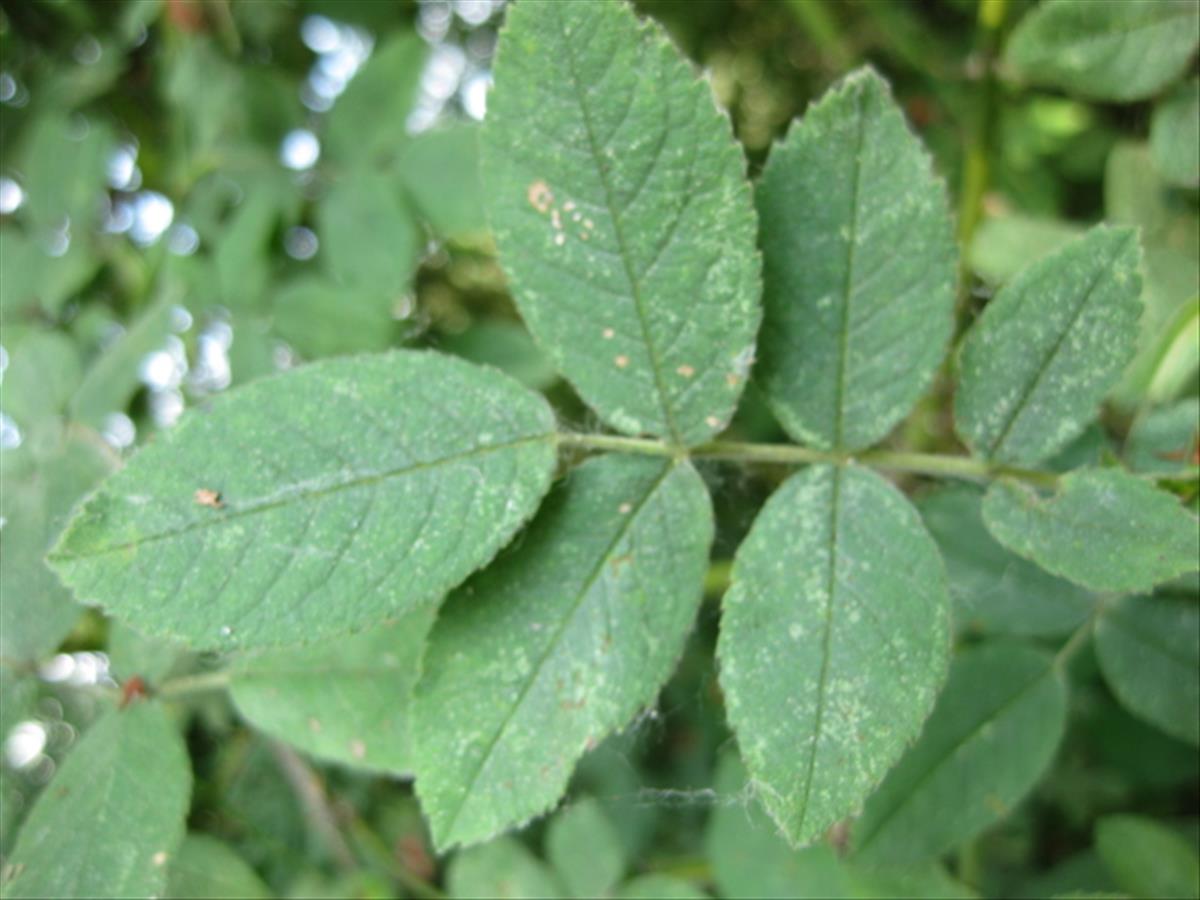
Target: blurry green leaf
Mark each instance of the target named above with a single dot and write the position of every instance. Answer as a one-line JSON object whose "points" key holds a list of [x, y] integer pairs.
{"points": [[585, 850], [1114, 50], [43, 371], [1166, 439], [344, 700], [1003, 245], [116, 375], [130, 654], [1135, 194], [440, 171], [65, 163], [623, 217], [992, 734], [1104, 529], [368, 123], [502, 869], [508, 347], [34, 278], [1148, 859], [241, 256], [368, 237], [839, 585], [207, 868], [110, 822], [1037, 363], [859, 269], [319, 318], [1082, 874], [1173, 133], [201, 89], [41, 484], [1175, 357], [994, 590], [307, 475], [657, 886], [1149, 651], [558, 643]]}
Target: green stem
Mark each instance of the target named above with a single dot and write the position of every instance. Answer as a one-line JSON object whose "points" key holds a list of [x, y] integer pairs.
{"points": [[791, 454], [194, 684], [814, 17], [1079, 637]]}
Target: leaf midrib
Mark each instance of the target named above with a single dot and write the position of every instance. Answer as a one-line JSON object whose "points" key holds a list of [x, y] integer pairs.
{"points": [[553, 643], [300, 496], [1021, 405], [660, 386]]}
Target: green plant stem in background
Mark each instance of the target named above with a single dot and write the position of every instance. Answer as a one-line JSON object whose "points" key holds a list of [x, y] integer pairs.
{"points": [[981, 135], [790, 454], [816, 20]]}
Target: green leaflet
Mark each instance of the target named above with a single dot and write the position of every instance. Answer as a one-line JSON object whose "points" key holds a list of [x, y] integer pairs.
{"points": [[502, 869], [344, 700], [42, 481], [207, 868], [440, 173], [1005, 244], [320, 318], [1165, 439], [368, 237], [991, 736], [1114, 50], [1048, 347], [1173, 131], [1147, 859], [558, 643], [623, 217], [128, 783], [859, 269], [585, 849], [994, 590], [1149, 651], [350, 491], [657, 886], [368, 123], [834, 640], [1104, 529]]}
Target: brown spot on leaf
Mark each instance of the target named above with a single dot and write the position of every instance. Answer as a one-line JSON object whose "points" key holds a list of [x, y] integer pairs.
{"points": [[540, 196], [208, 497]]}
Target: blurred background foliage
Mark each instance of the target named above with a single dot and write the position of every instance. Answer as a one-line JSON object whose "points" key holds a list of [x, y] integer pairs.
{"points": [[197, 193]]}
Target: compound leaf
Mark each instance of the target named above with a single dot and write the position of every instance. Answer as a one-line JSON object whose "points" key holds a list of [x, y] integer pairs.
{"points": [[558, 643], [834, 642], [1104, 529], [1113, 50], [325, 499], [344, 700], [623, 217], [1149, 651], [1040, 359], [126, 786], [991, 736], [859, 269]]}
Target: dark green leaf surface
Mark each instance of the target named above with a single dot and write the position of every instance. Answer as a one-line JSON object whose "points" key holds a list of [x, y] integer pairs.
{"points": [[320, 318], [991, 736], [859, 269], [1104, 529], [504, 870], [623, 217], [207, 869], [834, 641], [994, 590], [1148, 859], [586, 851], [559, 643], [110, 822], [1112, 50], [440, 172], [1173, 131], [350, 491], [1047, 348], [345, 700], [1149, 651]]}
